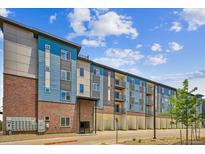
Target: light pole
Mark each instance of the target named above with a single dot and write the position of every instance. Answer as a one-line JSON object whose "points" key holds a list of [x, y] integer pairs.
{"points": [[154, 115], [116, 130]]}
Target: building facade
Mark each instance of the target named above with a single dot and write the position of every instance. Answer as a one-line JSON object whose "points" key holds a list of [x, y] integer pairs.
{"points": [[49, 88]]}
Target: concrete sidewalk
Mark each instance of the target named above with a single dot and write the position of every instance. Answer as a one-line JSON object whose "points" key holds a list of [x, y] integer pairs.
{"points": [[106, 137]]}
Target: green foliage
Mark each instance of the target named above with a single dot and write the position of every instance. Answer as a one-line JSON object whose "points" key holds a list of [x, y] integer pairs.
{"points": [[184, 105]]}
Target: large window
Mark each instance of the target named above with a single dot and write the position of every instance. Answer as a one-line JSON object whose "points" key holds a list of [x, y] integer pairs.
{"points": [[65, 75], [65, 55], [65, 95], [82, 72], [65, 122], [81, 88], [96, 87]]}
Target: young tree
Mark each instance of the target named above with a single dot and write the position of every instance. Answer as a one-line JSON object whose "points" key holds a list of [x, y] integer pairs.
{"points": [[183, 107]]}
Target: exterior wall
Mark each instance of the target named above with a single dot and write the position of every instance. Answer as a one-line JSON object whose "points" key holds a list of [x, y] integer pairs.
{"points": [[21, 102], [83, 80], [98, 79], [20, 52], [87, 112], [55, 67], [55, 111], [24, 69]]}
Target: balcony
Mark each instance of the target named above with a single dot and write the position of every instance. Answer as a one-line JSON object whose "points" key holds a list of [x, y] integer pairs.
{"points": [[119, 84], [119, 97], [119, 110]]}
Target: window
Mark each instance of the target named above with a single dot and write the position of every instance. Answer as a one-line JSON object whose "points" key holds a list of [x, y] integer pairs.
{"points": [[96, 71], [47, 118], [65, 122], [65, 55], [65, 75], [81, 88], [47, 68], [65, 95], [82, 72], [96, 87], [132, 81], [131, 93]]}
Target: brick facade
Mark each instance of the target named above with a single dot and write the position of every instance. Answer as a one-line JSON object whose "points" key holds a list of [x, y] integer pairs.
{"points": [[87, 112], [19, 97], [55, 111]]}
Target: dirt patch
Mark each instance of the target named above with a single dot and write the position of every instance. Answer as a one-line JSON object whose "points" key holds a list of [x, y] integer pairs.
{"points": [[21, 137], [162, 141]]}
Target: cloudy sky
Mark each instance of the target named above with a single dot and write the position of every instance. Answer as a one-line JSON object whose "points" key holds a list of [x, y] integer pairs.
{"points": [[166, 45]]}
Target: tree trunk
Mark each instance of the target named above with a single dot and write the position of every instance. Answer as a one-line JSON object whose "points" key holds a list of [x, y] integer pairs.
{"points": [[187, 134]]}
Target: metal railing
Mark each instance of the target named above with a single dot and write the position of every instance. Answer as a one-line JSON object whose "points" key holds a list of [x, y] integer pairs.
{"points": [[119, 83], [119, 96], [84, 56]]}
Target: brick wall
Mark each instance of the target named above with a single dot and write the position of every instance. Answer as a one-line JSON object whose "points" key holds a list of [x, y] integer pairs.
{"points": [[87, 112], [19, 97], [55, 111]]}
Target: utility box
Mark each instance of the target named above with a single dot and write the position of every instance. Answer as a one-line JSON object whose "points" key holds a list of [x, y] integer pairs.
{"points": [[41, 126]]}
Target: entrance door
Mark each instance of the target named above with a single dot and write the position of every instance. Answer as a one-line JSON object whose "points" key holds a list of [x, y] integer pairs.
{"points": [[85, 127]]}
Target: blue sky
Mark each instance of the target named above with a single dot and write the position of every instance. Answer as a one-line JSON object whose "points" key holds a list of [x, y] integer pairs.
{"points": [[166, 45]]}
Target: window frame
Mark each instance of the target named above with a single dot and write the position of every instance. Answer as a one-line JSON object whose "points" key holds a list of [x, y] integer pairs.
{"points": [[81, 72], [95, 89], [66, 95], [96, 71], [65, 119], [81, 86], [66, 52], [66, 75]]}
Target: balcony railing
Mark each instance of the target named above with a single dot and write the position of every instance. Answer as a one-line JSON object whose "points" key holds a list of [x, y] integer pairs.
{"points": [[119, 84], [119, 110], [119, 97]]}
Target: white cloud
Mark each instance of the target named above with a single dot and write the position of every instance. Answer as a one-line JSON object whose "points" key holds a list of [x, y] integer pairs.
{"points": [[174, 46], [196, 79], [176, 26], [138, 46], [112, 23], [195, 18], [156, 60], [156, 47], [120, 57], [1, 35], [77, 19], [103, 24], [52, 18], [4, 12], [93, 42]]}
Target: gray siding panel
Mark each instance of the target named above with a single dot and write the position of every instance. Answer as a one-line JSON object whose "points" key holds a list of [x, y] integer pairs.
{"points": [[66, 85], [66, 65]]}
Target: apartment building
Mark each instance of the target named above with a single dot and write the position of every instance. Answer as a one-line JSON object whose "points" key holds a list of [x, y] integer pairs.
{"points": [[50, 88]]}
